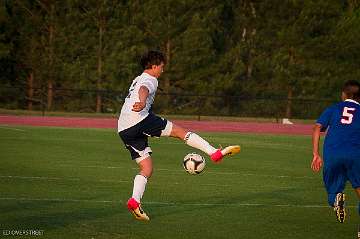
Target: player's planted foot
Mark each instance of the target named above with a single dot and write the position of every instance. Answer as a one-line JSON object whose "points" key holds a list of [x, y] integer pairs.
{"points": [[359, 232], [339, 207], [135, 208], [220, 153]]}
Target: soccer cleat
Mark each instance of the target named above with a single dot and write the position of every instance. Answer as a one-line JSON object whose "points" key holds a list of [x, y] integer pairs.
{"points": [[339, 207], [135, 208], [220, 153], [359, 232]]}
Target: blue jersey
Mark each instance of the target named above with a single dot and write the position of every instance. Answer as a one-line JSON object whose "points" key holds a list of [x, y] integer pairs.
{"points": [[343, 123], [341, 147]]}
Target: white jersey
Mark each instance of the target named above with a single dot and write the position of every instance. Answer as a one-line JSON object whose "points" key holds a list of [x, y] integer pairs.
{"points": [[128, 117]]}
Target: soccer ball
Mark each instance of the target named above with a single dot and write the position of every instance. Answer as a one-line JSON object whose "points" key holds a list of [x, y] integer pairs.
{"points": [[194, 163]]}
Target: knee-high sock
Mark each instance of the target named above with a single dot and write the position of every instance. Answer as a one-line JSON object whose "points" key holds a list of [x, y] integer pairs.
{"points": [[359, 208], [197, 142], [139, 187]]}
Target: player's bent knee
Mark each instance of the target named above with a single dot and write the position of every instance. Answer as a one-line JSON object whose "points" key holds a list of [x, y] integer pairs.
{"points": [[178, 132], [168, 129]]}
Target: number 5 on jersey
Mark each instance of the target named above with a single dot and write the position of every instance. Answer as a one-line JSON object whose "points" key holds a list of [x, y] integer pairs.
{"points": [[347, 115]]}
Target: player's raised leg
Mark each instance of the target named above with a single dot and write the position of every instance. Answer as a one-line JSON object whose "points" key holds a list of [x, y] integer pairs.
{"points": [[195, 141], [140, 181]]}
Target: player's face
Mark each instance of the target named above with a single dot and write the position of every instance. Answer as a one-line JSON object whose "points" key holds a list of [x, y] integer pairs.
{"points": [[158, 69]]}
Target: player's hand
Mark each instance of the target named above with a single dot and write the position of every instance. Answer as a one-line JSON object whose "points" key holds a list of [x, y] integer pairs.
{"points": [[138, 106], [316, 163]]}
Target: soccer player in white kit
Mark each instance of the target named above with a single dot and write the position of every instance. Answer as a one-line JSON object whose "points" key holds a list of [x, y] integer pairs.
{"points": [[137, 122]]}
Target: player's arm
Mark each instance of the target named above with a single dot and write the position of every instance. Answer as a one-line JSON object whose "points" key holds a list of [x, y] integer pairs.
{"points": [[317, 161], [143, 94]]}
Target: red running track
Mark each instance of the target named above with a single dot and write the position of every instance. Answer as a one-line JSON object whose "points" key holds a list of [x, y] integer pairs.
{"points": [[210, 126]]}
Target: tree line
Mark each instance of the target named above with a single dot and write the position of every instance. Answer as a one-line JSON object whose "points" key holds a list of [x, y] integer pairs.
{"points": [[265, 49]]}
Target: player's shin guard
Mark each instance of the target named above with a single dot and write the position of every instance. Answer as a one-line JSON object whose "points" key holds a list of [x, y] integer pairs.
{"points": [[197, 142], [139, 187]]}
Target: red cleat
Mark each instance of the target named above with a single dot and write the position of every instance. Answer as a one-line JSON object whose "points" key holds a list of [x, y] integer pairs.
{"points": [[135, 208], [220, 153], [217, 156]]}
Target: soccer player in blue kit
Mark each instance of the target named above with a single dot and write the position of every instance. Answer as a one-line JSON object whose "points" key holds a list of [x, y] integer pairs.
{"points": [[137, 122], [341, 149]]}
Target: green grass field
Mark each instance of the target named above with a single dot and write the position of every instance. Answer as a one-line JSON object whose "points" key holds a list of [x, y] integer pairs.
{"points": [[74, 183]]}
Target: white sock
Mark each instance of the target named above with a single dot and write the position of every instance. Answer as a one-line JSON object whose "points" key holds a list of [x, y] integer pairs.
{"points": [[139, 187], [197, 142]]}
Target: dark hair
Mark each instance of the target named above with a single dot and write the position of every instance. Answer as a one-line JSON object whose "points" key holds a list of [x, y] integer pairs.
{"points": [[352, 89], [152, 58]]}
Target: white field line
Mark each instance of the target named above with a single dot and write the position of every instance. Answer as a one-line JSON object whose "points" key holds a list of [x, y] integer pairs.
{"points": [[60, 179], [211, 172], [57, 200], [12, 128], [101, 180], [55, 140], [61, 200], [48, 179]]}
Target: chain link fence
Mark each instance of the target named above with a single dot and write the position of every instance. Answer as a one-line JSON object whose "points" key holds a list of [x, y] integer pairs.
{"points": [[83, 100]]}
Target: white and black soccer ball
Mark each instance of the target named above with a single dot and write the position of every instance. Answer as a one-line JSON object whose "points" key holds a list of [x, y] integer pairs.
{"points": [[194, 163]]}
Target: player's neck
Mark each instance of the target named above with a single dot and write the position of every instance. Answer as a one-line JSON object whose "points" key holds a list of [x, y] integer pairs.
{"points": [[150, 72]]}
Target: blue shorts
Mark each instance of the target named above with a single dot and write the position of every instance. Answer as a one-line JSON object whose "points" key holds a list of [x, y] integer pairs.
{"points": [[339, 167], [135, 138]]}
